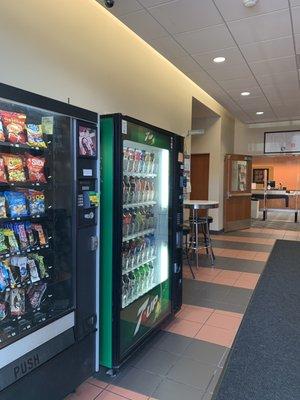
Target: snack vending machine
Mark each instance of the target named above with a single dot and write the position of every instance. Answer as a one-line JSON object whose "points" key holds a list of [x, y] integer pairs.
{"points": [[48, 245], [141, 234]]}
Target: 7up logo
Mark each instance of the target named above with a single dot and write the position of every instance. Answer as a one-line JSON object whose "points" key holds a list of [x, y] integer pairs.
{"points": [[145, 311]]}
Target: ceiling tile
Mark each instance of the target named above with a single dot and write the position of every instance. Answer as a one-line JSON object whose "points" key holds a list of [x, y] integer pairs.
{"points": [[269, 49], [295, 3], [239, 84], [168, 47], [230, 72], [151, 3], [297, 40], [253, 103], [274, 65], [124, 7], [143, 25], [205, 40], [261, 27], [234, 9], [186, 15], [233, 57], [255, 91], [289, 79], [296, 19]]}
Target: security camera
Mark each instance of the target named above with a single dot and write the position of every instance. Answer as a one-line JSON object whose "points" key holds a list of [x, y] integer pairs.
{"points": [[109, 3]]}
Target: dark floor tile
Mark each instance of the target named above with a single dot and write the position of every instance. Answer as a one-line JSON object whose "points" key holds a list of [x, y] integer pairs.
{"points": [[172, 343], [206, 353], [156, 361], [171, 390], [238, 308], [192, 372], [235, 264], [207, 396], [224, 358], [138, 380], [239, 296], [224, 244]]}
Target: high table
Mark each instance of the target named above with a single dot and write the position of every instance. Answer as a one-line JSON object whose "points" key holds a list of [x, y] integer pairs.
{"points": [[195, 206]]}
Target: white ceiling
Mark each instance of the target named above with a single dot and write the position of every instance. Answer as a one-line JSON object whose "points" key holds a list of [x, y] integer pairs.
{"points": [[260, 45]]}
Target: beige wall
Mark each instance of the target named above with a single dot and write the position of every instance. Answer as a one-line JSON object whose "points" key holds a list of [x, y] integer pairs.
{"points": [[76, 49], [251, 140]]}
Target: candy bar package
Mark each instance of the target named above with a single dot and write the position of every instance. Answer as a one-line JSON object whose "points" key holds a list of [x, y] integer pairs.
{"points": [[36, 202], [41, 264], [35, 294], [2, 207], [3, 310], [21, 263], [3, 178], [16, 202], [35, 136], [20, 232], [33, 271], [4, 277], [41, 234], [32, 240], [17, 302], [12, 241], [14, 124], [15, 167], [35, 167], [2, 136], [3, 245], [14, 277]]}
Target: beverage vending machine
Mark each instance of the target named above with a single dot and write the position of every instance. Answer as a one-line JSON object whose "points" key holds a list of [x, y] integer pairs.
{"points": [[48, 245], [141, 233]]}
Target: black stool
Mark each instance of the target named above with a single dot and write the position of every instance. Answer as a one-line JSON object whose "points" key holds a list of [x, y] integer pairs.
{"points": [[185, 232]]}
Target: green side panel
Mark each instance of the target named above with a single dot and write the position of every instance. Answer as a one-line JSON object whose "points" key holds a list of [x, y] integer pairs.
{"points": [[106, 249]]}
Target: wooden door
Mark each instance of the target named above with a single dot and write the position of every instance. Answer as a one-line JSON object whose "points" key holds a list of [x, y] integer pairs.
{"points": [[199, 176], [237, 192]]}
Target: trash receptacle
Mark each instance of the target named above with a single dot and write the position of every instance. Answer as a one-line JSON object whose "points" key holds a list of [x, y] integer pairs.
{"points": [[254, 208]]}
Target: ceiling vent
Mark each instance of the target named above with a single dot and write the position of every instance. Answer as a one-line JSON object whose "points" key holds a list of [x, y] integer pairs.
{"points": [[298, 60]]}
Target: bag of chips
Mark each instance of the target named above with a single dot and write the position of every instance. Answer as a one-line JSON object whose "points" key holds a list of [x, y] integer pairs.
{"points": [[2, 136], [35, 294], [2, 207], [36, 202], [14, 123], [21, 264], [20, 232], [35, 167], [3, 246], [35, 136], [17, 302], [3, 310], [41, 264], [16, 203], [15, 167], [41, 234], [4, 277], [3, 178], [34, 273], [30, 234], [12, 241]]}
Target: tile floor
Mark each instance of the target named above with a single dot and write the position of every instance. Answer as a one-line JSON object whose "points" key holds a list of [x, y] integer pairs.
{"points": [[185, 359]]}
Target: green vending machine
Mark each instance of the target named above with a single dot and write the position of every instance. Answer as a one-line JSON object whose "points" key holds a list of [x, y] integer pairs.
{"points": [[141, 220]]}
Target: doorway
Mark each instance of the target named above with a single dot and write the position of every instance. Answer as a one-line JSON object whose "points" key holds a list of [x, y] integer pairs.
{"points": [[199, 176]]}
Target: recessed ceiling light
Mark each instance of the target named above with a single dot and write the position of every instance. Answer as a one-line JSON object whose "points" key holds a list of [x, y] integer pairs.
{"points": [[219, 59], [245, 93], [259, 113], [249, 3]]}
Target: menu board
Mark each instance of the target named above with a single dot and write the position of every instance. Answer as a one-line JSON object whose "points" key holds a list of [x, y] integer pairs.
{"points": [[282, 142]]}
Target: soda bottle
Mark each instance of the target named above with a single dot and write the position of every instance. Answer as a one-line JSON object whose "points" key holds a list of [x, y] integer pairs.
{"points": [[142, 164], [142, 195], [132, 189], [138, 185], [151, 274], [131, 296], [152, 163], [152, 247], [126, 190], [137, 160], [125, 248], [147, 162], [151, 190], [125, 290], [131, 158], [139, 220], [146, 190], [125, 158]]}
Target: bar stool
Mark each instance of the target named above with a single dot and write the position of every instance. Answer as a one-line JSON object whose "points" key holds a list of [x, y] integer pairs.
{"points": [[185, 232]]}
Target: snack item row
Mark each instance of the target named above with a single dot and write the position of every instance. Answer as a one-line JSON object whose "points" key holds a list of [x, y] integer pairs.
{"points": [[18, 168], [22, 203], [16, 237], [13, 129], [18, 271], [18, 301]]}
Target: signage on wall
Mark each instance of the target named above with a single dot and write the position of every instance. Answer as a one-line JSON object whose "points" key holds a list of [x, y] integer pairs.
{"points": [[282, 142]]}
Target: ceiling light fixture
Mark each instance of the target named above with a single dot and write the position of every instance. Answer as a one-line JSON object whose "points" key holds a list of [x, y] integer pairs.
{"points": [[250, 3], [259, 113], [245, 93], [219, 59]]}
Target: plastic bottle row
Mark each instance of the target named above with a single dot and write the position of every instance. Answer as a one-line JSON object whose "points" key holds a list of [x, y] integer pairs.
{"points": [[138, 161], [138, 220], [138, 190], [138, 251], [137, 282]]}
